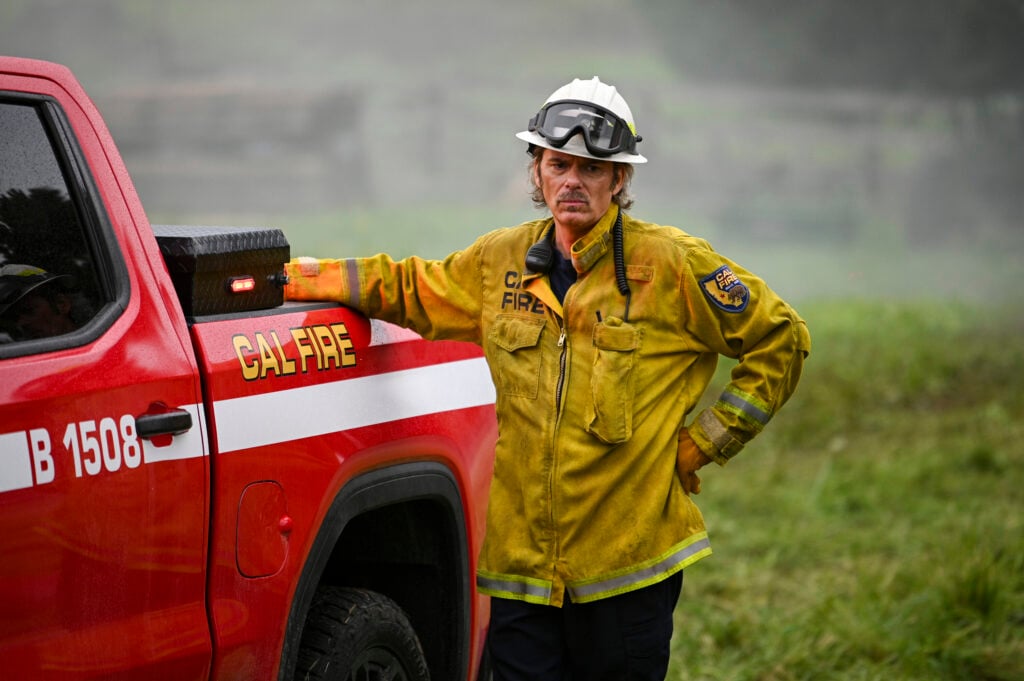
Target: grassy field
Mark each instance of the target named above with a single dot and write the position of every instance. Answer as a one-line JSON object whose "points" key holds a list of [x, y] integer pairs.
{"points": [[876, 529]]}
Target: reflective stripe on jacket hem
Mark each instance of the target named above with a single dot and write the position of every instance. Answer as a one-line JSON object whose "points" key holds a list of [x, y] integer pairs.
{"points": [[515, 588], [539, 591], [675, 559]]}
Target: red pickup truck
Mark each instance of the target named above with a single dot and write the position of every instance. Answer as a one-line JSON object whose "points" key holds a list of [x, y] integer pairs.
{"points": [[198, 480]]}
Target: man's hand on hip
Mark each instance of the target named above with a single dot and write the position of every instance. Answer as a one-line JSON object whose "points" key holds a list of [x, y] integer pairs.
{"points": [[688, 459]]}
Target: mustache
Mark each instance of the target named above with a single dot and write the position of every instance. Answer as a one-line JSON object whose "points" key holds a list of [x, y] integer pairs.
{"points": [[572, 196]]}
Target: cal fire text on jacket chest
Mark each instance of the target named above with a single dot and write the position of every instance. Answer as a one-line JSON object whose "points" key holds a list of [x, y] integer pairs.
{"points": [[515, 298]]}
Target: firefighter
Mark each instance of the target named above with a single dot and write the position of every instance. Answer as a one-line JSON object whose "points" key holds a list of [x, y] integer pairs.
{"points": [[601, 332], [34, 303]]}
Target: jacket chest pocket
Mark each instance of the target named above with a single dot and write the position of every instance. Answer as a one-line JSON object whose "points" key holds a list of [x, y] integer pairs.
{"points": [[516, 356], [612, 381]]}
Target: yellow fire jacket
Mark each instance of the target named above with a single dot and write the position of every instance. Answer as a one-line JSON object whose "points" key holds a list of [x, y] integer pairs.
{"points": [[585, 497]]}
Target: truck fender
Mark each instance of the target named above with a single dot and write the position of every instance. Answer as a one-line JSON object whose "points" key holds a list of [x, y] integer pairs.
{"points": [[402, 483]]}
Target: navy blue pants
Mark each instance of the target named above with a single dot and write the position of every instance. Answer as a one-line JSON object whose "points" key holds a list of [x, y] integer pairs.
{"points": [[620, 638]]}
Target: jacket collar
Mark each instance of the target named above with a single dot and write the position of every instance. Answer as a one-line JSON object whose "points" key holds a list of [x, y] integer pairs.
{"points": [[587, 250]]}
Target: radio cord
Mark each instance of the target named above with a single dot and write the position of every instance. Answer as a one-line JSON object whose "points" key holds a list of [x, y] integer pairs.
{"points": [[620, 264]]}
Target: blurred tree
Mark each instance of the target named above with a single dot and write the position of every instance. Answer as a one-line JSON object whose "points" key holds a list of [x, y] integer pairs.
{"points": [[960, 61], [958, 48]]}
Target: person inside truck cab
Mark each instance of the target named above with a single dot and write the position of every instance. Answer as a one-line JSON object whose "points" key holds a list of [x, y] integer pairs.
{"points": [[34, 303], [602, 332]]}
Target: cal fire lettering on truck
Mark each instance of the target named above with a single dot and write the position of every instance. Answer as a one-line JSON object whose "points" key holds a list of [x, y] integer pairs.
{"points": [[317, 348], [87, 448]]}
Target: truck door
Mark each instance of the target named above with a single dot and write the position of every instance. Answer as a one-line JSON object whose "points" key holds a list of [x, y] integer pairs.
{"points": [[103, 458]]}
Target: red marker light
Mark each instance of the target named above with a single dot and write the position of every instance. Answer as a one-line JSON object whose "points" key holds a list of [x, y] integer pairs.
{"points": [[241, 284]]}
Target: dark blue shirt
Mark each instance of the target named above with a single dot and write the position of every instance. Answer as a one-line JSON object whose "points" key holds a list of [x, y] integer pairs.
{"points": [[562, 276]]}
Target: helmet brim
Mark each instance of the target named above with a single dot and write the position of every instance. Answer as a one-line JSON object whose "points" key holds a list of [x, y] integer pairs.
{"points": [[13, 289], [576, 147]]}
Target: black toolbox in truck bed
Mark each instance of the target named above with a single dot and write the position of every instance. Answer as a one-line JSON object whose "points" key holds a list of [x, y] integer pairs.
{"points": [[219, 270]]}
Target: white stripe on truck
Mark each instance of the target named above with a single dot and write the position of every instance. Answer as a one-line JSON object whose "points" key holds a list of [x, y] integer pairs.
{"points": [[311, 411]]}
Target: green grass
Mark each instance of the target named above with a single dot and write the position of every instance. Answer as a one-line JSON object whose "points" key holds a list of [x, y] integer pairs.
{"points": [[876, 529]]}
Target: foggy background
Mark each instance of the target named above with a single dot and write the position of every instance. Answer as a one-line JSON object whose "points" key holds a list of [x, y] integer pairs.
{"points": [[836, 148]]}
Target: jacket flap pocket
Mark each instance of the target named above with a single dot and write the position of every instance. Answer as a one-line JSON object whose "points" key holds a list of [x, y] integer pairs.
{"points": [[514, 333], [624, 338]]}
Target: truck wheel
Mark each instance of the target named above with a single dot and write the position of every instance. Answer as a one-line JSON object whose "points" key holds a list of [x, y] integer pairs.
{"points": [[358, 635]]}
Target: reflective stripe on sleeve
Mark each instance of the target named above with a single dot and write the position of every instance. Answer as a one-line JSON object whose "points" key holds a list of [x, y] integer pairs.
{"points": [[517, 588], [745, 406], [352, 268], [680, 556]]}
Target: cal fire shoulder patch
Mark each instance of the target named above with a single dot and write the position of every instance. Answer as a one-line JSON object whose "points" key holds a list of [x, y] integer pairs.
{"points": [[724, 289]]}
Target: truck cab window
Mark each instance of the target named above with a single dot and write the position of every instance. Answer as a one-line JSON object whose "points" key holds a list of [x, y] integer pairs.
{"points": [[48, 279]]}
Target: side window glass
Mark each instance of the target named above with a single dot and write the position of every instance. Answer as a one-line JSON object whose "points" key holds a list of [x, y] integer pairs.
{"points": [[49, 283]]}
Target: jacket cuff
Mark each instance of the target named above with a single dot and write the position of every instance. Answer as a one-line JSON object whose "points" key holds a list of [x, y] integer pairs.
{"points": [[714, 438], [313, 279]]}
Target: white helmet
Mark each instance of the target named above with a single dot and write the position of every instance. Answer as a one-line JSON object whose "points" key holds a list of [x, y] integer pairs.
{"points": [[17, 281], [586, 118]]}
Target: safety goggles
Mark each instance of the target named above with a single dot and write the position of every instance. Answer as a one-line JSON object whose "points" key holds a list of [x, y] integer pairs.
{"points": [[604, 133]]}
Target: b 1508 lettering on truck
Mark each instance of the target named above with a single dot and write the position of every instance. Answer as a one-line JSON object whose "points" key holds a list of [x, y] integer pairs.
{"points": [[197, 480]]}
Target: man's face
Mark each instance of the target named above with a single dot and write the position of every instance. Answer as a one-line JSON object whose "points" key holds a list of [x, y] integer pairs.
{"points": [[578, 190], [37, 317]]}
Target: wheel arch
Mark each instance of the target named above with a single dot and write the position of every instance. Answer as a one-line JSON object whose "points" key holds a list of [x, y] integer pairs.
{"points": [[401, 531]]}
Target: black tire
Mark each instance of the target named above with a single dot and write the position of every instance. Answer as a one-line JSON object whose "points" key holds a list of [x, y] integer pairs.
{"points": [[358, 635]]}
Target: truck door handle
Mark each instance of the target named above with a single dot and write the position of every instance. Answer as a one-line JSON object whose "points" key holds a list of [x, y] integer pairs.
{"points": [[171, 422]]}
